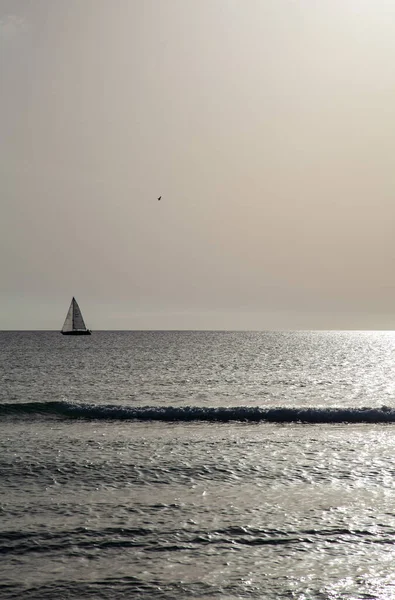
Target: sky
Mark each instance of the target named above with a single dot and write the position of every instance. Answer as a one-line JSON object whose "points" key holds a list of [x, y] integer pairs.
{"points": [[267, 126]]}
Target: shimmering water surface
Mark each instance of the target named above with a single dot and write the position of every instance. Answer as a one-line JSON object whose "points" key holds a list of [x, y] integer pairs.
{"points": [[153, 465]]}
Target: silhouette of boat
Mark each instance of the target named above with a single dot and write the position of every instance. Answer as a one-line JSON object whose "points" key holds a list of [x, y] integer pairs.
{"points": [[74, 323]]}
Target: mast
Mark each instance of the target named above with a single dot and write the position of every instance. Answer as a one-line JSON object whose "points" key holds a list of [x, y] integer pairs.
{"points": [[73, 302]]}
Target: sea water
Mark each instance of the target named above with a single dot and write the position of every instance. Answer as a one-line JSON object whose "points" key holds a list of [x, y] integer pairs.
{"points": [[197, 465]]}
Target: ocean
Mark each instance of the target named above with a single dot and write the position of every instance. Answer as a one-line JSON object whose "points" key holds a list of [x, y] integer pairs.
{"points": [[177, 465]]}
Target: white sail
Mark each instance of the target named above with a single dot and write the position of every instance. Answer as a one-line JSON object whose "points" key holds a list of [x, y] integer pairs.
{"points": [[68, 322], [78, 321], [74, 320]]}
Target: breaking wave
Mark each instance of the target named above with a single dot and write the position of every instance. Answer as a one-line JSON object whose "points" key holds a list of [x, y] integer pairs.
{"points": [[65, 409]]}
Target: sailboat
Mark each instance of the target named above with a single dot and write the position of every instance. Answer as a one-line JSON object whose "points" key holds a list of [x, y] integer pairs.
{"points": [[74, 323]]}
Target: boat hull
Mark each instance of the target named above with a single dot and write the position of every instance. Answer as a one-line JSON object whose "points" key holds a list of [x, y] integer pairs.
{"points": [[77, 332]]}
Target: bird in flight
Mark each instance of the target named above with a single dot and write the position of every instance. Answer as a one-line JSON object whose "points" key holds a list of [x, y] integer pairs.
{"points": [[159, 197]]}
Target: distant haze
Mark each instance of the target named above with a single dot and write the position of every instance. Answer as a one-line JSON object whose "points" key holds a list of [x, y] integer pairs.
{"points": [[267, 126]]}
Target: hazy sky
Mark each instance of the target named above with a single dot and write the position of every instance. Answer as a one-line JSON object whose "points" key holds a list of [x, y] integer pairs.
{"points": [[266, 125]]}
